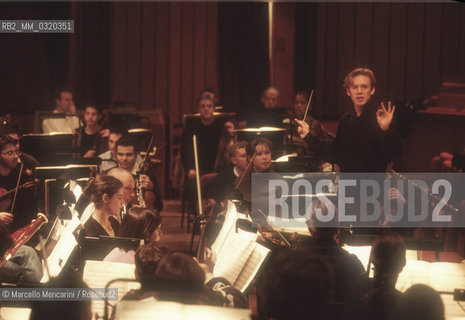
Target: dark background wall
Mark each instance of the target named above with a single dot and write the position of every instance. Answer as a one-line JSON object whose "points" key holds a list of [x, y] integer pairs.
{"points": [[159, 55], [410, 47]]}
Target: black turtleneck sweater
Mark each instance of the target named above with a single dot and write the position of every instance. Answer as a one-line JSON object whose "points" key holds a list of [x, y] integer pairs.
{"points": [[360, 144]]}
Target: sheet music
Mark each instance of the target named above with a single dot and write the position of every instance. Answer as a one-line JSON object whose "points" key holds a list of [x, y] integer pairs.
{"points": [[228, 225], [98, 273], [62, 250], [77, 191], [362, 253], [233, 256], [252, 266], [142, 310], [87, 213], [9, 313]]}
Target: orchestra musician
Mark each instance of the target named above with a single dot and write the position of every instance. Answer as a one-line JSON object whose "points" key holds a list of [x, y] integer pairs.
{"points": [[24, 266], [109, 156], [138, 223], [12, 130], [129, 184], [261, 163], [208, 131], [366, 139], [301, 100], [25, 205], [106, 192], [63, 104], [268, 113], [129, 160], [89, 136], [221, 186]]}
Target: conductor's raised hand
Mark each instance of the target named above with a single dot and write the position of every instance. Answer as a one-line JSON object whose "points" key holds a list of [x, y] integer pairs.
{"points": [[384, 116], [303, 129]]}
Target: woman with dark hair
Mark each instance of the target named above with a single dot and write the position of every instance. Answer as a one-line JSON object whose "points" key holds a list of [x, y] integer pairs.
{"points": [[419, 302], [138, 223], [106, 192], [376, 298], [259, 153], [142, 223], [180, 279]]}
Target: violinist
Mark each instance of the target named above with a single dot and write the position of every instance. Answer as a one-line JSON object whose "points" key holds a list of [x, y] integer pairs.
{"points": [[301, 102], [223, 183], [259, 154], [25, 206], [12, 130], [129, 160]]}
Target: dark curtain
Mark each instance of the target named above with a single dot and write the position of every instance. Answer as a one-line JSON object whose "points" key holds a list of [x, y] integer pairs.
{"points": [[32, 64], [92, 44], [306, 20], [243, 65]]}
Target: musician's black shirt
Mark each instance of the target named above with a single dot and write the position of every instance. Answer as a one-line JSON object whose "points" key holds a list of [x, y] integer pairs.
{"points": [[25, 205], [95, 229], [208, 139]]}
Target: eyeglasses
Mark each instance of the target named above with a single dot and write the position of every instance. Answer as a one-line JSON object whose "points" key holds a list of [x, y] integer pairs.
{"points": [[11, 153]]}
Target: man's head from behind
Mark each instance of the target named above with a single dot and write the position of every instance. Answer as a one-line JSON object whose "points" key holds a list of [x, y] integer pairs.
{"points": [[147, 259], [63, 99], [360, 86], [126, 153], [270, 97]]}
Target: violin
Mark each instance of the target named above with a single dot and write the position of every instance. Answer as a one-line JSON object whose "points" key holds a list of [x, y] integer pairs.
{"points": [[5, 196]]}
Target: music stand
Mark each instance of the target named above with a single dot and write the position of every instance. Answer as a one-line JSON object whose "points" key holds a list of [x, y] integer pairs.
{"points": [[51, 148]]}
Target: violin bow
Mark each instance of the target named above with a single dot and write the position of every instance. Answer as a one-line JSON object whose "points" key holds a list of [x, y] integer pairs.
{"points": [[308, 105], [17, 186], [238, 184]]}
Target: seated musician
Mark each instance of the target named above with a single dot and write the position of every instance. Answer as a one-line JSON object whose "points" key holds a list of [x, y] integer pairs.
{"points": [[129, 160], [63, 104], [295, 285], [220, 187], [300, 106], [24, 266], [347, 267], [25, 206], [107, 194], [89, 136], [208, 131], [228, 138], [260, 164], [268, 113], [128, 186], [147, 259], [138, 223], [11, 130], [109, 156], [375, 298]]}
